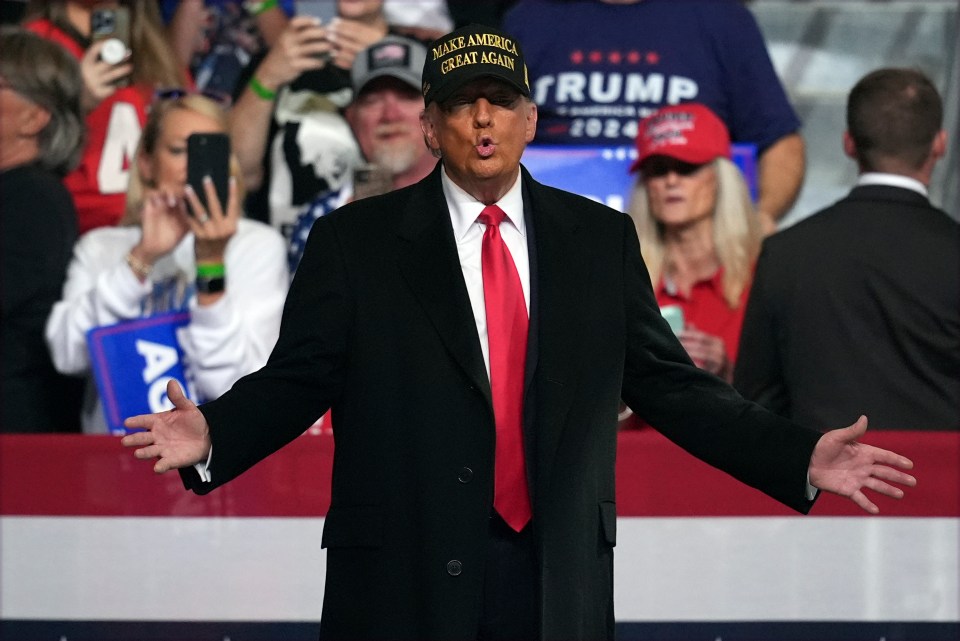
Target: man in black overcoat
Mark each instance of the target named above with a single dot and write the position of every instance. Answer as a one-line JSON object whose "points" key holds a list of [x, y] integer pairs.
{"points": [[856, 309], [388, 323]]}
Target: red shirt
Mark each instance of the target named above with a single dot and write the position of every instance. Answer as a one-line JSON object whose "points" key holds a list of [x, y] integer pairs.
{"points": [[99, 183], [707, 310]]}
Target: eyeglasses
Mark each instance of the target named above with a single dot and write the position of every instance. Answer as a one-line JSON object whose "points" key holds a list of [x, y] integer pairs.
{"points": [[173, 93], [660, 166]]}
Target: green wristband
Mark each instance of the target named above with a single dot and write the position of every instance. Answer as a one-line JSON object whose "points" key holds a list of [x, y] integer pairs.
{"points": [[256, 8], [260, 90], [210, 270]]}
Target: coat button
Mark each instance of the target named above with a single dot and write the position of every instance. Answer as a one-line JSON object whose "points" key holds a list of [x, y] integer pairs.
{"points": [[454, 568], [465, 475]]}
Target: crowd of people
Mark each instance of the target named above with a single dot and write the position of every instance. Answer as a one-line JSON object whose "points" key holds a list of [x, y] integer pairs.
{"points": [[371, 245], [855, 309]]}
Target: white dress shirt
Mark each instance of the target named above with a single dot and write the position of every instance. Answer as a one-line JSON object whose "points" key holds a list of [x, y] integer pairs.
{"points": [[468, 233], [892, 180]]}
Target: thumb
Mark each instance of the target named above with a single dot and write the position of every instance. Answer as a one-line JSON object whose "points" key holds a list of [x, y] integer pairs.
{"points": [[858, 429], [177, 397], [93, 51]]}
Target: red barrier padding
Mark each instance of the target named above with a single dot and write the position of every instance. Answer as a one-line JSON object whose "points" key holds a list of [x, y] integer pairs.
{"points": [[73, 475]]}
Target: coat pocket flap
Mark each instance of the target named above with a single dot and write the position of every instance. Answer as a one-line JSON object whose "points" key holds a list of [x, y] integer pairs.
{"points": [[358, 526]]}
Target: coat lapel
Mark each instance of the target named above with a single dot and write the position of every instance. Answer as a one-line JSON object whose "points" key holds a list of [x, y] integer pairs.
{"points": [[561, 286], [431, 267]]}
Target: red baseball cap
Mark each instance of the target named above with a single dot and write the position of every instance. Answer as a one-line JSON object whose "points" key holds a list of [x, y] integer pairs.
{"points": [[689, 132]]}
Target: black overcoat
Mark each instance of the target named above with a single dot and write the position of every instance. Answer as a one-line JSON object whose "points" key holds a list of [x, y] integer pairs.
{"points": [[856, 310], [378, 326]]}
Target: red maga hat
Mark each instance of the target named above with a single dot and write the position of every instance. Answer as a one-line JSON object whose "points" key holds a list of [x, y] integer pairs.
{"points": [[689, 132]]}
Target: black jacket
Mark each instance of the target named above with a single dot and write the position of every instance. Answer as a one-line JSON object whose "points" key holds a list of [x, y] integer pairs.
{"points": [[857, 310], [378, 325]]}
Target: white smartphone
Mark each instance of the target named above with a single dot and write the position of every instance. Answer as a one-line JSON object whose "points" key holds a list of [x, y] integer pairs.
{"points": [[673, 314]]}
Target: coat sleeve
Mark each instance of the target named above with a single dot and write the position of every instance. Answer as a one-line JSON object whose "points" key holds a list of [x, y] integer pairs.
{"points": [[302, 378], [698, 411]]}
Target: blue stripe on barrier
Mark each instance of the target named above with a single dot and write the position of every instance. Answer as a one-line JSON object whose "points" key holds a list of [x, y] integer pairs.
{"points": [[30, 630]]}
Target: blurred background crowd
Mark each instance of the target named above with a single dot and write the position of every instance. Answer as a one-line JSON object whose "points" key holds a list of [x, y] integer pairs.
{"points": [[320, 101]]}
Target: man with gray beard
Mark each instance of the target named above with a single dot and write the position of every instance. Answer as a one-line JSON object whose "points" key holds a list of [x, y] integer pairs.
{"points": [[385, 118]]}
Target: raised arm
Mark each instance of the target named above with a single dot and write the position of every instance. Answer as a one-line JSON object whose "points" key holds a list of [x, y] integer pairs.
{"points": [[780, 174], [299, 48], [843, 466], [185, 29]]}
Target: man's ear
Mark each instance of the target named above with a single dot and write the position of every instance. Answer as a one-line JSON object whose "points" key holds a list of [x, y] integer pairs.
{"points": [[429, 132], [531, 130], [939, 147], [33, 120], [350, 114], [849, 146]]}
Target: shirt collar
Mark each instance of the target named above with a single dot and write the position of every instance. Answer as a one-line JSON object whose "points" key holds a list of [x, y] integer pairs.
{"points": [[464, 208], [891, 180], [668, 287]]}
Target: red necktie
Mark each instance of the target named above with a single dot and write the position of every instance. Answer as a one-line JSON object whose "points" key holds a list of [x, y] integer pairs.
{"points": [[507, 339]]}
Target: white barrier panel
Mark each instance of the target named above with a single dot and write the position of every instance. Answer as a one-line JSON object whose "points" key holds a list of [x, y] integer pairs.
{"points": [[94, 546], [667, 569]]}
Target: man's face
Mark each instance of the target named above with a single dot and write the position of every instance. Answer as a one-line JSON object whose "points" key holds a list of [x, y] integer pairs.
{"points": [[385, 118], [481, 132]]}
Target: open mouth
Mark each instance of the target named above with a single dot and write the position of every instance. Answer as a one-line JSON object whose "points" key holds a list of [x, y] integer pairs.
{"points": [[486, 147]]}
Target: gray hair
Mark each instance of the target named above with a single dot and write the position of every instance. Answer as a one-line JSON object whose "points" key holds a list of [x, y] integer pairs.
{"points": [[47, 75]]}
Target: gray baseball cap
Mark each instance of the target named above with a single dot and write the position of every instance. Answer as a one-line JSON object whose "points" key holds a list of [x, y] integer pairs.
{"points": [[391, 56]]}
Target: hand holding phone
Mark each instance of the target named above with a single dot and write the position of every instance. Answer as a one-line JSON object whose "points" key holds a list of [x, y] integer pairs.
{"points": [[111, 26]]}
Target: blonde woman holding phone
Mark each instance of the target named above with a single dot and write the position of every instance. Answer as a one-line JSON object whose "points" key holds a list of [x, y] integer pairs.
{"points": [[171, 254]]}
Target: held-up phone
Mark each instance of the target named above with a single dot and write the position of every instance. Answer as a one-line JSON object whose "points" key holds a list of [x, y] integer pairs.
{"points": [[673, 314], [325, 13], [209, 155], [325, 10], [111, 23]]}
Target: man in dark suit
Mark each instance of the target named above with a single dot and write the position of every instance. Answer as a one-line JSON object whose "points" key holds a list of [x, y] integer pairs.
{"points": [[474, 371], [857, 308]]}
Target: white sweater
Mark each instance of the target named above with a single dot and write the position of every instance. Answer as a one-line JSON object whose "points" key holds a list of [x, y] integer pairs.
{"points": [[223, 341]]}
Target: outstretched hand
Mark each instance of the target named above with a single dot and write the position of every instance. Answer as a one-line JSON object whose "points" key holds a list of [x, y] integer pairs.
{"points": [[843, 466], [179, 437]]}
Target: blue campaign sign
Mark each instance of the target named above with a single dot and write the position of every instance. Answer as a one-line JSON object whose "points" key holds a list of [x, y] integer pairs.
{"points": [[132, 363], [599, 173], [602, 173]]}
